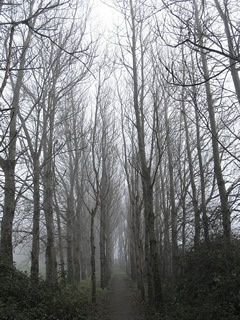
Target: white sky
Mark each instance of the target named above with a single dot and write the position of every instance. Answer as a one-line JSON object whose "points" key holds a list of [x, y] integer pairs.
{"points": [[104, 14]]}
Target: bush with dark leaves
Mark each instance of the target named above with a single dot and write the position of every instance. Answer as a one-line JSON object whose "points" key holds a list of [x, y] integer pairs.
{"points": [[22, 299], [209, 285]]}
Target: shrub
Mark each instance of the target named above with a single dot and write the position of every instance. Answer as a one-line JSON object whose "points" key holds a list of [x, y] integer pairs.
{"points": [[21, 299], [209, 286]]}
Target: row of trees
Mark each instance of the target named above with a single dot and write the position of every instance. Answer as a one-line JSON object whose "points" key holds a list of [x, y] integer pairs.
{"points": [[58, 155], [180, 130], [138, 153]]}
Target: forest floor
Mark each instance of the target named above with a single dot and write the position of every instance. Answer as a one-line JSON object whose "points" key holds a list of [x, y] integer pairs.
{"points": [[123, 302]]}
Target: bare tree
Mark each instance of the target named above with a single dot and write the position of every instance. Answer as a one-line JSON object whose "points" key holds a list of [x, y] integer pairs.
{"points": [[8, 164], [217, 163], [136, 43]]}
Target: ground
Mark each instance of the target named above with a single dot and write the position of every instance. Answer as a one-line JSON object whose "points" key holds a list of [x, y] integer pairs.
{"points": [[123, 303]]}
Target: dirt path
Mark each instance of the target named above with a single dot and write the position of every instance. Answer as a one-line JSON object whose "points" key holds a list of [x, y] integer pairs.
{"points": [[122, 305]]}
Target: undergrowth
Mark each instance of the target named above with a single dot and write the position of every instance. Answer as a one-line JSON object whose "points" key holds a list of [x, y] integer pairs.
{"points": [[21, 299], [208, 286]]}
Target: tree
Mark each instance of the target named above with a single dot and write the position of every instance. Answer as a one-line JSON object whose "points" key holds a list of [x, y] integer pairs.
{"points": [[130, 163], [217, 164], [30, 21], [8, 164], [135, 21]]}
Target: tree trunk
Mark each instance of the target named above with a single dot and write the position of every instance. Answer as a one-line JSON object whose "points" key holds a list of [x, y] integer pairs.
{"points": [[172, 195], [132, 241], [93, 265], [192, 180], [102, 249], [36, 220], [108, 254], [83, 258], [70, 231], [138, 247], [6, 252], [167, 264], [217, 163], [202, 180], [1, 5], [153, 273], [8, 165], [60, 244], [76, 252], [230, 38], [51, 262]]}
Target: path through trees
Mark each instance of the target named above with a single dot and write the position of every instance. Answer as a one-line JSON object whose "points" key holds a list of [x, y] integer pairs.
{"points": [[122, 304], [121, 149]]}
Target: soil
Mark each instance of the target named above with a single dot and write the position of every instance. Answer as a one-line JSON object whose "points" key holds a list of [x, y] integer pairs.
{"points": [[123, 304]]}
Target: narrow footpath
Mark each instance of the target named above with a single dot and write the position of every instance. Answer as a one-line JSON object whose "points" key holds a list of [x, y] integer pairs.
{"points": [[122, 302]]}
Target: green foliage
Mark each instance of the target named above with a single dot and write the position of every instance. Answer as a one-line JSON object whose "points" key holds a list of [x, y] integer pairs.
{"points": [[21, 299], [209, 285]]}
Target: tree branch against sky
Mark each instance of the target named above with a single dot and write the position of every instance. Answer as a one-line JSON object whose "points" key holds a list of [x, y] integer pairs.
{"points": [[119, 150]]}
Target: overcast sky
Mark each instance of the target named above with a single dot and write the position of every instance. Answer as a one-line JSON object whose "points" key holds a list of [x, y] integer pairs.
{"points": [[103, 13]]}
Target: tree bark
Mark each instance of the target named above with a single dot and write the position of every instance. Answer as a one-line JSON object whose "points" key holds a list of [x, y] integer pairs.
{"points": [[102, 245], [153, 273], [233, 67], [8, 165], [76, 239], [93, 263], [217, 163], [202, 180], [51, 262], [172, 194], [36, 220], [48, 182], [167, 264], [6, 252], [70, 232], [60, 244], [192, 180]]}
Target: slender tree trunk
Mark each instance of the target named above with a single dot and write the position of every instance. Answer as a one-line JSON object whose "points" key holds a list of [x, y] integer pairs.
{"points": [[51, 262], [76, 252], [8, 165], [217, 163], [83, 259], [167, 264], [153, 253], [202, 181], [36, 220], [233, 66], [132, 242], [70, 231], [157, 210], [184, 225], [192, 180], [93, 264], [6, 252], [135, 221], [1, 5], [104, 212], [172, 196], [60, 244], [153, 273], [102, 248], [108, 254], [139, 249], [184, 191], [200, 161]]}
